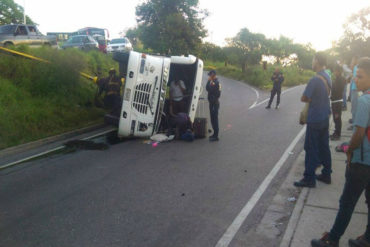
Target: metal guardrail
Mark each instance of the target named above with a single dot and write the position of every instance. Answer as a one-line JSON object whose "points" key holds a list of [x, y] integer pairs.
{"points": [[17, 162]]}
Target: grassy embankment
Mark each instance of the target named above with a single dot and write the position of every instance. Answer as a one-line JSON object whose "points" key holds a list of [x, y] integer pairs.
{"points": [[256, 76], [38, 100]]}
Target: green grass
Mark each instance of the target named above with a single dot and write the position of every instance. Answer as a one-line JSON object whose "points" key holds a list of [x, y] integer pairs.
{"points": [[256, 76], [38, 100]]}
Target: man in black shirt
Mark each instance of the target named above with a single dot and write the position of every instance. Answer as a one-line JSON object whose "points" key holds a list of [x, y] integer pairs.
{"points": [[337, 100], [213, 88]]}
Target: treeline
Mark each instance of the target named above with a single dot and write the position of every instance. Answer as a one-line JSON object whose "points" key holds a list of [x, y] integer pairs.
{"points": [[355, 40], [176, 27], [248, 48]]}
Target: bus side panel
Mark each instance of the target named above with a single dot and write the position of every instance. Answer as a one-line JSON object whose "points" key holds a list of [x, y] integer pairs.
{"points": [[196, 90]]}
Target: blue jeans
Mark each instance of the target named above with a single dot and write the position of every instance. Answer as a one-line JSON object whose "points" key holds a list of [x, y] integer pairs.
{"points": [[357, 180], [317, 150]]}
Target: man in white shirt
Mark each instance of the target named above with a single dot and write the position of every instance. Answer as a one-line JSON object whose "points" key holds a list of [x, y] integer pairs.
{"points": [[177, 93]]}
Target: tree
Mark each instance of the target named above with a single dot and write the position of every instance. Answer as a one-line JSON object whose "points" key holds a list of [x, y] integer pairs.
{"points": [[247, 47], [171, 26], [12, 13], [356, 37], [280, 48], [305, 54], [133, 35], [212, 52]]}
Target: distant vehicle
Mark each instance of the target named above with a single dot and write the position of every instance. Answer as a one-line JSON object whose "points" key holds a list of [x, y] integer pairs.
{"points": [[61, 36], [119, 45], [83, 42], [101, 35], [19, 34], [101, 41]]}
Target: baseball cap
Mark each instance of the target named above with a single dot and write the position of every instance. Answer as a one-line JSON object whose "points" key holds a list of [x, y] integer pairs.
{"points": [[212, 72]]}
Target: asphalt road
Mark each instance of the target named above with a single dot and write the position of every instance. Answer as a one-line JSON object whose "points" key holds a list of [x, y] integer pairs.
{"points": [[133, 194]]}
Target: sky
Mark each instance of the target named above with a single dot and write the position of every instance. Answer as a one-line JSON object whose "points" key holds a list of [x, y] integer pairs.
{"points": [[319, 22]]}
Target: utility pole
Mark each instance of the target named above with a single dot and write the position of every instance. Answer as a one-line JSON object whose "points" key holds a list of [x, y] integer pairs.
{"points": [[24, 12]]}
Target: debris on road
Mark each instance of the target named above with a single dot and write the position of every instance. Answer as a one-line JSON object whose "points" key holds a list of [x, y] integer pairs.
{"points": [[86, 145], [292, 199]]}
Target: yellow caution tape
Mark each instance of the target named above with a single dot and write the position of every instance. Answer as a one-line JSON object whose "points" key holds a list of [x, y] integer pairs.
{"points": [[94, 79], [24, 55]]}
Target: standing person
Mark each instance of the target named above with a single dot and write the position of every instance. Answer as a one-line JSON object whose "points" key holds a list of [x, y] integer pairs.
{"points": [[277, 79], [213, 88], [358, 168], [353, 90], [347, 75], [112, 88], [177, 92], [317, 133], [337, 100]]}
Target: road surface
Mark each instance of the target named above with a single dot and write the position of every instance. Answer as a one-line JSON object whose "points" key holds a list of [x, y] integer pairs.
{"points": [[175, 194]]}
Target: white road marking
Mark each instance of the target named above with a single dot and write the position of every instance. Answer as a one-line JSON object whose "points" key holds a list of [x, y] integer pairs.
{"points": [[258, 96], [264, 101], [48, 151], [238, 221]]}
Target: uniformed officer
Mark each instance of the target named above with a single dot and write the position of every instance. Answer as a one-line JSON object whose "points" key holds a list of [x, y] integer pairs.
{"points": [[112, 88], [213, 88], [277, 78]]}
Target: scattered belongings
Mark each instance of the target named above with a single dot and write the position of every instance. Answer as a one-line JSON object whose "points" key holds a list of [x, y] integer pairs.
{"points": [[342, 147], [162, 138], [292, 199]]}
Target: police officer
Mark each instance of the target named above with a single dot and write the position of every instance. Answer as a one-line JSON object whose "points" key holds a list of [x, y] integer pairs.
{"points": [[277, 78], [112, 88], [213, 88]]}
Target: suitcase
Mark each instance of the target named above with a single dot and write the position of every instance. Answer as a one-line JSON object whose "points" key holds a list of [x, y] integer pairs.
{"points": [[200, 121], [200, 127]]}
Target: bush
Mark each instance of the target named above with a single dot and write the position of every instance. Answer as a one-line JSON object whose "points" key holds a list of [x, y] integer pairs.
{"points": [[256, 76], [42, 99]]}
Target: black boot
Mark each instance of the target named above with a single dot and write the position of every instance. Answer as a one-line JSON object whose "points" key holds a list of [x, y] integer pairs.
{"points": [[324, 178], [361, 241], [305, 183], [325, 241]]}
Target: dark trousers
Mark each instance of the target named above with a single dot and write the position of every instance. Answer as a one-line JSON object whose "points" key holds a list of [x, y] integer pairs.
{"points": [[357, 180], [178, 106], [337, 117], [317, 149], [114, 103], [273, 92], [345, 96], [213, 110]]}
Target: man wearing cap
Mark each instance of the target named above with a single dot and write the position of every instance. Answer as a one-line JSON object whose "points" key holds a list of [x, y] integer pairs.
{"points": [[213, 88]]}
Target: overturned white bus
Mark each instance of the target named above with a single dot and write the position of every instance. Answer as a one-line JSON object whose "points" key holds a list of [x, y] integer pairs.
{"points": [[144, 94]]}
